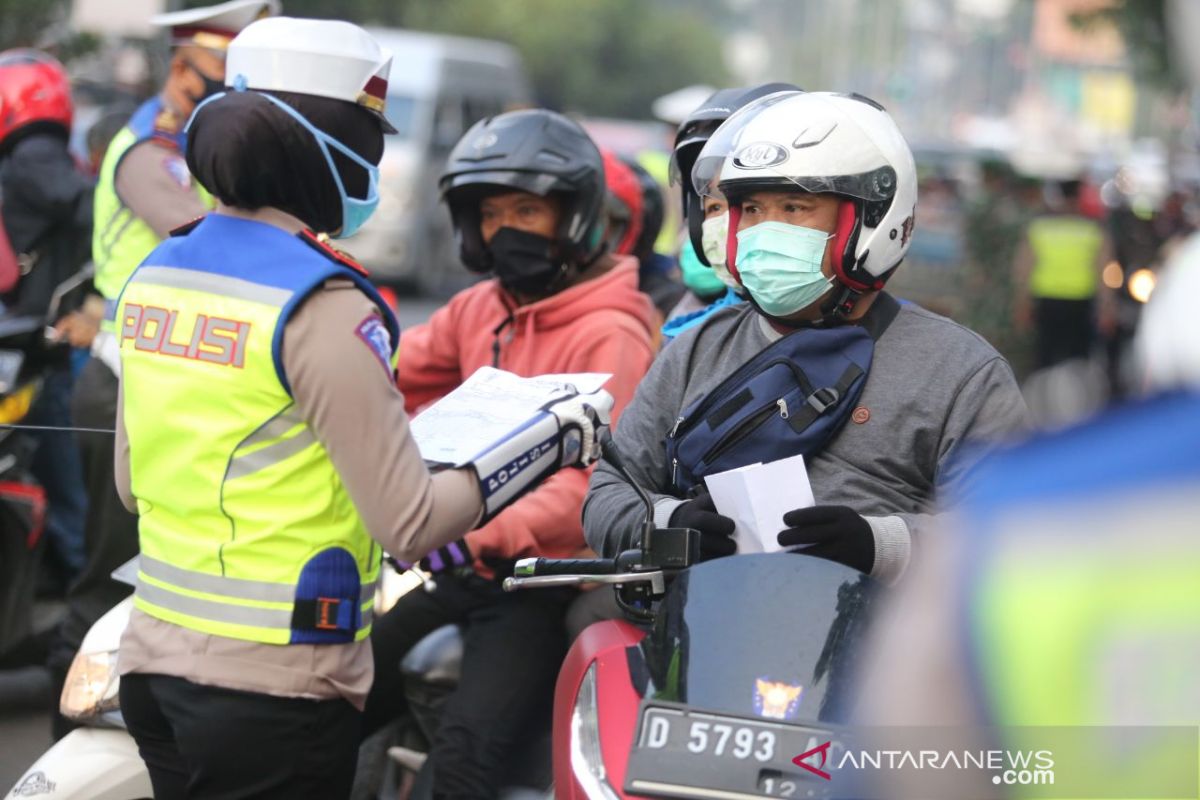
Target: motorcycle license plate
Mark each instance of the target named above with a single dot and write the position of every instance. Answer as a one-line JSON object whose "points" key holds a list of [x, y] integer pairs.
{"points": [[684, 752]]}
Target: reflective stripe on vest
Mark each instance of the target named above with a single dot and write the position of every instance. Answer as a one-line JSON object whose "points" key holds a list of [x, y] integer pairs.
{"points": [[1065, 250], [214, 598], [246, 529], [1078, 638]]}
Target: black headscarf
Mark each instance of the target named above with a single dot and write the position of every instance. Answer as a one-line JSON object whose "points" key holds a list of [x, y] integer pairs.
{"points": [[251, 154]]}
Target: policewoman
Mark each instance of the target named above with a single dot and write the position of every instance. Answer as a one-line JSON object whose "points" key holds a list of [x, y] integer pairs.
{"points": [[263, 443]]}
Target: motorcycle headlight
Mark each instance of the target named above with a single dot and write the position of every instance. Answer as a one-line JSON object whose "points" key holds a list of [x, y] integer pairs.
{"points": [[1141, 284], [92, 686], [587, 759], [15, 406]]}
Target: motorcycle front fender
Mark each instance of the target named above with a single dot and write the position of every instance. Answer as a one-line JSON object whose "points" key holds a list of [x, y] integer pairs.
{"points": [[88, 764]]}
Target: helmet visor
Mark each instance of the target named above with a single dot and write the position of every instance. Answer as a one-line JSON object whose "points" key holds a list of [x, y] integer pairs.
{"points": [[538, 183], [800, 149]]}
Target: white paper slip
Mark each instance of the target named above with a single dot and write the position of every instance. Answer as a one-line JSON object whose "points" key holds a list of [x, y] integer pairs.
{"points": [[757, 496], [488, 407], [581, 382]]}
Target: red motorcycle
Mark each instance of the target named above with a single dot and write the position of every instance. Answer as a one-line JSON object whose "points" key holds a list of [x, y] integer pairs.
{"points": [[726, 673]]}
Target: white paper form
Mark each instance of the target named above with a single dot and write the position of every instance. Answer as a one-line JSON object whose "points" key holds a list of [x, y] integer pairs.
{"points": [[488, 407], [757, 496]]}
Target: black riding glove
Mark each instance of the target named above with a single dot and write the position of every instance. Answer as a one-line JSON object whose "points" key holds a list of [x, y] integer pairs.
{"points": [[716, 531], [837, 533]]}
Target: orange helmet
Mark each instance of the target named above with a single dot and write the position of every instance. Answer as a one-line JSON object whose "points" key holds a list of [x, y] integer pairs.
{"points": [[33, 88]]}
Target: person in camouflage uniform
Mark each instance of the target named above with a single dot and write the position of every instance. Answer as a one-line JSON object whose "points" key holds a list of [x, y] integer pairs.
{"points": [[993, 228]]}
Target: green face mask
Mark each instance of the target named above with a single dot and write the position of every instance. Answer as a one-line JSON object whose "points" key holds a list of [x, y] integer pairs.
{"points": [[696, 276], [780, 266]]}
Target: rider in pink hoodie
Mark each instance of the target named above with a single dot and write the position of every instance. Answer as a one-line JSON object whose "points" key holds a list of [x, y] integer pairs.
{"points": [[602, 324], [526, 194]]}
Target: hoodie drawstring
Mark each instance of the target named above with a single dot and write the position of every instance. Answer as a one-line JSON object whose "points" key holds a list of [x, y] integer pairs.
{"points": [[496, 339]]}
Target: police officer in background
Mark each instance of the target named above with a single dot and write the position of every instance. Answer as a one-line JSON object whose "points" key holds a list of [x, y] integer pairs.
{"points": [[144, 190], [1057, 275], [254, 359]]}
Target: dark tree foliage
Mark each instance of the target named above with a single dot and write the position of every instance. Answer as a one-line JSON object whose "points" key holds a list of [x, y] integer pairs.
{"points": [[601, 57]]}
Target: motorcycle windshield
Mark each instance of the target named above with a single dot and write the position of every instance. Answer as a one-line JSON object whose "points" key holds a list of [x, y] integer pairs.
{"points": [[770, 635]]}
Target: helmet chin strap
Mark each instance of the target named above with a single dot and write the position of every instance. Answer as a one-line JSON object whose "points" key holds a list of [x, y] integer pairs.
{"points": [[840, 304], [835, 310]]}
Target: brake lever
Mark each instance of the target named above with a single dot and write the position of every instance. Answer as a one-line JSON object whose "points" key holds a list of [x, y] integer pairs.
{"points": [[657, 581]]}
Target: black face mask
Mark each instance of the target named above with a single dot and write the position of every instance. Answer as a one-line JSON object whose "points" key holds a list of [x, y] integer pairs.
{"points": [[524, 262], [211, 86]]}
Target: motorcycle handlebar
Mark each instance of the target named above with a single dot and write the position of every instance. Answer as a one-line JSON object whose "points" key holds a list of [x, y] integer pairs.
{"points": [[540, 567]]}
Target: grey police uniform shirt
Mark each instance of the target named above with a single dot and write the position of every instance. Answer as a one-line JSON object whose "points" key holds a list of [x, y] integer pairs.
{"points": [[937, 397]]}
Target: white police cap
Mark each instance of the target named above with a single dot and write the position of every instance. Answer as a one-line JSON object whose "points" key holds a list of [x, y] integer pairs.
{"points": [[323, 58], [214, 27]]}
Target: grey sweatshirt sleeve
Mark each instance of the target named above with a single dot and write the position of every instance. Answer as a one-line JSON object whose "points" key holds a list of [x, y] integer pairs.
{"points": [[988, 411], [612, 508]]}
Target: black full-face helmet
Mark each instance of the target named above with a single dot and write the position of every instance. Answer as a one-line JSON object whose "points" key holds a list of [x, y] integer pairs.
{"points": [[535, 151]]}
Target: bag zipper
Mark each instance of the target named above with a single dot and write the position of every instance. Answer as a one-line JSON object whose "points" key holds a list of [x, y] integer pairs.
{"points": [[702, 410], [744, 429]]}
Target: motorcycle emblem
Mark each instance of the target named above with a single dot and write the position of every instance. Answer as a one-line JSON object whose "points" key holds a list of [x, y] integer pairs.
{"points": [[774, 700], [35, 783], [760, 155]]}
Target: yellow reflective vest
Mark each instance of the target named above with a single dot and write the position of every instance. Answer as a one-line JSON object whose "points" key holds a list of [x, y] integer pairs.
{"points": [[1065, 249], [120, 240], [246, 529]]}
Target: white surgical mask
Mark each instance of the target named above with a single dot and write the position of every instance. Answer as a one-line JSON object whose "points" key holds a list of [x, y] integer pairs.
{"points": [[715, 232]]}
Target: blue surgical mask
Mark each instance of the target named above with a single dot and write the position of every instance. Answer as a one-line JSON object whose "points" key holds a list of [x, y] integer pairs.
{"points": [[780, 266], [355, 212]]}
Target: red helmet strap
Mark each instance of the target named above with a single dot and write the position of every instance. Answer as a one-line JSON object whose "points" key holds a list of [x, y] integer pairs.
{"points": [[845, 242], [735, 218]]}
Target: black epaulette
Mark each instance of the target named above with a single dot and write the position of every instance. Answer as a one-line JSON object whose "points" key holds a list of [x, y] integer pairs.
{"points": [[187, 227], [320, 243]]}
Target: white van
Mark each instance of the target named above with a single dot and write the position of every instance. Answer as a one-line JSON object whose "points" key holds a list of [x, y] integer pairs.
{"points": [[439, 87]]}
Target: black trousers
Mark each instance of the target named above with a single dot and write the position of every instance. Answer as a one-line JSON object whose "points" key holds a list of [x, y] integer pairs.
{"points": [[1064, 330], [206, 742], [110, 533], [513, 646]]}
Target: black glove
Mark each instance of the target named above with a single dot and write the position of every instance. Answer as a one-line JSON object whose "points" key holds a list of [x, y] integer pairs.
{"points": [[837, 533], [716, 531]]}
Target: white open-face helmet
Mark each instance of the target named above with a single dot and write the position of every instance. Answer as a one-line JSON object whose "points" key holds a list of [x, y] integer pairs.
{"points": [[821, 142]]}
